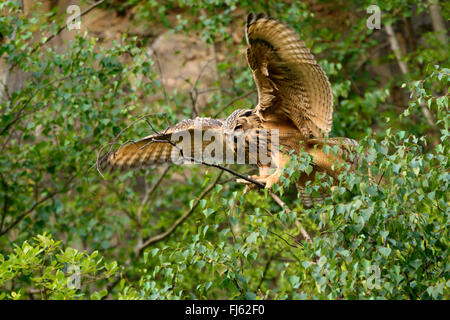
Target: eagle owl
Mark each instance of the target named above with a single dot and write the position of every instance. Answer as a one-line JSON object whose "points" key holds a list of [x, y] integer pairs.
{"points": [[294, 98]]}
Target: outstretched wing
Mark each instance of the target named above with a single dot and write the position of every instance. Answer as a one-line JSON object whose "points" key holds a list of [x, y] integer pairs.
{"points": [[290, 82], [181, 143]]}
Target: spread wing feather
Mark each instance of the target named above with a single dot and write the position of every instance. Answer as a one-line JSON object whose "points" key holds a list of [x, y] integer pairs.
{"points": [[165, 146], [290, 82]]}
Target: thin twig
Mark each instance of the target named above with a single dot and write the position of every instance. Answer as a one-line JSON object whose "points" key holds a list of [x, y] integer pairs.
{"points": [[289, 244], [37, 203], [381, 177], [193, 92], [242, 96], [158, 65], [266, 268], [169, 231], [5, 203], [149, 193], [303, 232], [285, 228]]}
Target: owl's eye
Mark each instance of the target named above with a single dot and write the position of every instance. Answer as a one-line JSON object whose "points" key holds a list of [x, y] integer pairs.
{"points": [[238, 127]]}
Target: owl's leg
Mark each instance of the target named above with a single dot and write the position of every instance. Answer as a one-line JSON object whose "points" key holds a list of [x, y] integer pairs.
{"points": [[272, 179], [264, 174]]}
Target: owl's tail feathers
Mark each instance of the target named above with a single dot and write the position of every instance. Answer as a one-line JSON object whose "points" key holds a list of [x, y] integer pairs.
{"points": [[327, 150], [308, 200], [329, 155], [348, 149]]}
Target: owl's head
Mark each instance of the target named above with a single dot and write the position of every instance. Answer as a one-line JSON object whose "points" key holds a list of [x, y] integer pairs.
{"points": [[241, 120]]}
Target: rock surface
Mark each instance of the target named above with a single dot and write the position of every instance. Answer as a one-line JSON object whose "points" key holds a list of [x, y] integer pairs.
{"points": [[184, 62]]}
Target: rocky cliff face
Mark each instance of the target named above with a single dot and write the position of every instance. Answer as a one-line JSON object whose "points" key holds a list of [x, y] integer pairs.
{"points": [[185, 62], [182, 60]]}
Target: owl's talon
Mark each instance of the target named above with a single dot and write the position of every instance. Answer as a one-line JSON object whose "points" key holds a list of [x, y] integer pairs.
{"points": [[268, 181], [248, 185], [243, 181], [271, 180]]}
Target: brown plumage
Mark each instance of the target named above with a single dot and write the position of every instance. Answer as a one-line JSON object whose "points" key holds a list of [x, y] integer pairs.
{"points": [[294, 97], [162, 147], [292, 87]]}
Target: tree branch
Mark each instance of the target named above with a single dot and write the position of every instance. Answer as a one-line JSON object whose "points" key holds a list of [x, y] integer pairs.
{"points": [[438, 22], [266, 268], [284, 227], [149, 193], [395, 46], [5, 203], [242, 96], [169, 231], [36, 204], [303, 232]]}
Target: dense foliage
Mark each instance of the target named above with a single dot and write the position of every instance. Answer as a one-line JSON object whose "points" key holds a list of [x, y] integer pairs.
{"points": [[188, 232]]}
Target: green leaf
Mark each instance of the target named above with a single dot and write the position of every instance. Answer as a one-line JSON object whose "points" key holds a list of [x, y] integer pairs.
{"points": [[385, 251], [252, 237]]}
